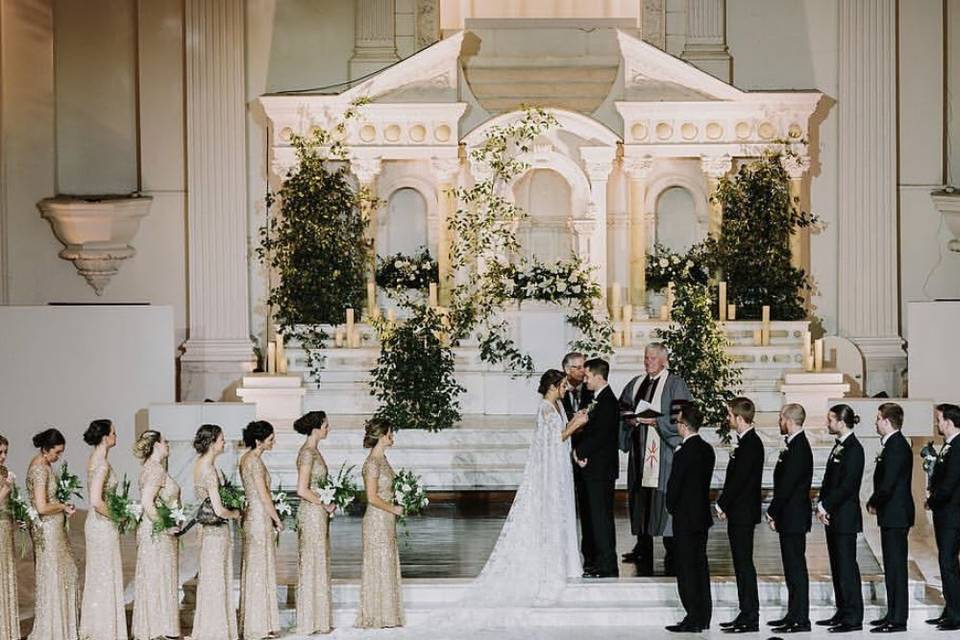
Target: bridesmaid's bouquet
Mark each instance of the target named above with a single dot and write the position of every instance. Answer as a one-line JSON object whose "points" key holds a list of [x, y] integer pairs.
{"points": [[168, 517], [24, 515], [409, 492], [232, 496], [340, 490], [68, 485], [284, 509], [123, 512]]}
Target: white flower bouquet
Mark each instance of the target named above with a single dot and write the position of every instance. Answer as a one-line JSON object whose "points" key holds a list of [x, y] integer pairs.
{"points": [[169, 516], [68, 485], [409, 492], [123, 512], [341, 490], [401, 271], [667, 266], [284, 509], [535, 280]]}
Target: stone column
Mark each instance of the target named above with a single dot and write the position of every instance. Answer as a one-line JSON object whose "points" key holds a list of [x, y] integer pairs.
{"points": [[715, 167], [868, 290], [637, 170], [599, 162], [375, 43], [367, 170], [445, 170], [797, 167], [584, 235], [706, 42], [218, 350]]}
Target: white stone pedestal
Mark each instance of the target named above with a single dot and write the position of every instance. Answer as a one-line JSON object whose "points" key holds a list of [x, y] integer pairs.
{"points": [[812, 390], [279, 398]]}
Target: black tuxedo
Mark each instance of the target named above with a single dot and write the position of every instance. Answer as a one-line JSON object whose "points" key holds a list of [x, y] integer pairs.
{"points": [[688, 501], [893, 502], [792, 515], [740, 501], [573, 401], [944, 501], [840, 498], [598, 444]]}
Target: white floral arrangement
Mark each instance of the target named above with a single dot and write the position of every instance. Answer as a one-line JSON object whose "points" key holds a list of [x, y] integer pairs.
{"points": [[666, 266], [534, 280], [341, 490], [409, 492], [401, 271]]}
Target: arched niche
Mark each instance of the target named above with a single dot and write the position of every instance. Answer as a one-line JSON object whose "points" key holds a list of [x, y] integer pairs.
{"points": [[546, 196], [677, 226], [403, 224]]}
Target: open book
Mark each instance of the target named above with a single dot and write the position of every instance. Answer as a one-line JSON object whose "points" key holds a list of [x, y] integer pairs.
{"points": [[643, 410]]}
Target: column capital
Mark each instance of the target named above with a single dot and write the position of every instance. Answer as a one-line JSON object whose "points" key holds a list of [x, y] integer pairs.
{"points": [[366, 169], [795, 165], [445, 170], [598, 162], [638, 168], [716, 166]]}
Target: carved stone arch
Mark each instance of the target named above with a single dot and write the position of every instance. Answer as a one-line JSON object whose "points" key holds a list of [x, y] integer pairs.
{"points": [[568, 168], [580, 125], [697, 189], [387, 188]]}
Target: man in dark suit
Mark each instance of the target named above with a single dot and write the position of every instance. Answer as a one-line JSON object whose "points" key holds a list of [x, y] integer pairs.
{"points": [[739, 504], [943, 498], [688, 502], [892, 503], [598, 454], [791, 515], [839, 511], [578, 397]]}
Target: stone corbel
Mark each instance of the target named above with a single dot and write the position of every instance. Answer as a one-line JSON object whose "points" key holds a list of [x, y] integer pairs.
{"points": [[96, 232], [715, 168], [366, 169], [947, 203]]}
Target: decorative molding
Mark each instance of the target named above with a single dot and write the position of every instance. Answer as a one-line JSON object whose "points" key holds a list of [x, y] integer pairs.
{"points": [[366, 169], [428, 22], [578, 124], [598, 162], [445, 170], [653, 22], [96, 232], [948, 204], [638, 168], [716, 167], [374, 35], [795, 165]]}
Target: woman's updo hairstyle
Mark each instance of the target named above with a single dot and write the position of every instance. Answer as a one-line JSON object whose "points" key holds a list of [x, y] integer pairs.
{"points": [[375, 429], [207, 434], [305, 424], [97, 431], [845, 415], [550, 378], [48, 439], [256, 431], [143, 447]]}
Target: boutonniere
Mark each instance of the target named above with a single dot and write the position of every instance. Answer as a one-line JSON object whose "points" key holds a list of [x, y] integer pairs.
{"points": [[879, 455], [837, 452], [591, 406], [733, 449], [782, 454], [943, 452]]}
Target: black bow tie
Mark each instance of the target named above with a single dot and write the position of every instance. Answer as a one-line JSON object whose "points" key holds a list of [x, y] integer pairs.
{"points": [[839, 442]]}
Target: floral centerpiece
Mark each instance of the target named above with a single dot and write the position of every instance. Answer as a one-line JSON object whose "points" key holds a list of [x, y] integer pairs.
{"points": [[666, 266], [341, 490], [123, 512], [401, 271], [534, 280]]}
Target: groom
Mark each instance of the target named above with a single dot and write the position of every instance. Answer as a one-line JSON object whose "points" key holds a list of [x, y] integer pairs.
{"points": [[597, 453]]}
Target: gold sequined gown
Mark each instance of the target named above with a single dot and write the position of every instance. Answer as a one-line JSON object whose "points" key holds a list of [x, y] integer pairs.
{"points": [[259, 612], [381, 599], [156, 601], [214, 617], [56, 594], [102, 616], [9, 613], [314, 611]]}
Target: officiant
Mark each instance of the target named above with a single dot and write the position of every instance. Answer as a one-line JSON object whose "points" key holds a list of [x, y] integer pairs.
{"points": [[650, 442]]}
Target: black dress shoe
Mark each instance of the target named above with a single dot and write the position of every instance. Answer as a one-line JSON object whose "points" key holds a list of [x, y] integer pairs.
{"points": [[793, 627], [683, 627], [591, 574], [732, 623], [889, 628], [949, 625], [832, 621], [934, 621], [782, 622], [879, 622], [743, 628], [631, 556], [845, 627]]}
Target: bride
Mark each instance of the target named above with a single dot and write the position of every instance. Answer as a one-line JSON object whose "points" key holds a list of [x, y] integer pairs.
{"points": [[537, 550]]}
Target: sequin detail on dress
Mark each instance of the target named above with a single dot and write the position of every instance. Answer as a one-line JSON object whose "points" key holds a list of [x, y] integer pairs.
{"points": [[314, 603]]}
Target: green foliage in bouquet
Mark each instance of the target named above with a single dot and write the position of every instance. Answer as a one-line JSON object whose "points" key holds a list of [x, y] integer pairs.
{"points": [[123, 512], [414, 377], [342, 490], [753, 252], [169, 516], [400, 271], [68, 485], [697, 354], [232, 496]]}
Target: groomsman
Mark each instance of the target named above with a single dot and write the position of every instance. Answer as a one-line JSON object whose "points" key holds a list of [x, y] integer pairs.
{"points": [[688, 501], [790, 515], [943, 498], [577, 397], [739, 504], [892, 503], [599, 457], [839, 511]]}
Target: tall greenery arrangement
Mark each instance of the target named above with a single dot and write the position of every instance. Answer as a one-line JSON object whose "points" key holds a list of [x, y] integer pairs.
{"points": [[752, 253], [697, 348]]}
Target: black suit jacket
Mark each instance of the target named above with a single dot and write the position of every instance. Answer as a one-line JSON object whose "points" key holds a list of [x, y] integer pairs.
{"points": [[585, 397], [944, 498], [790, 508], [840, 491], [688, 489], [892, 477], [741, 497], [598, 441]]}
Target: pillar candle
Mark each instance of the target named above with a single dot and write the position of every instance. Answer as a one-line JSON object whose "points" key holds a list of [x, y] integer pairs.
{"points": [[615, 300], [354, 339], [722, 306], [806, 349], [433, 299], [757, 337], [350, 320], [731, 312], [372, 310], [818, 355], [615, 339], [281, 355], [391, 315], [271, 357], [765, 334], [627, 333], [338, 338], [664, 312], [627, 313]]}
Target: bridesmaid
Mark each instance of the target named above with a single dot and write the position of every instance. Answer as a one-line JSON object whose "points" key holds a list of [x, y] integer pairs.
{"points": [[102, 615], [259, 613], [56, 594], [314, 608], [156, 599], [215, 617], [381, 601], [9, 613]]}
